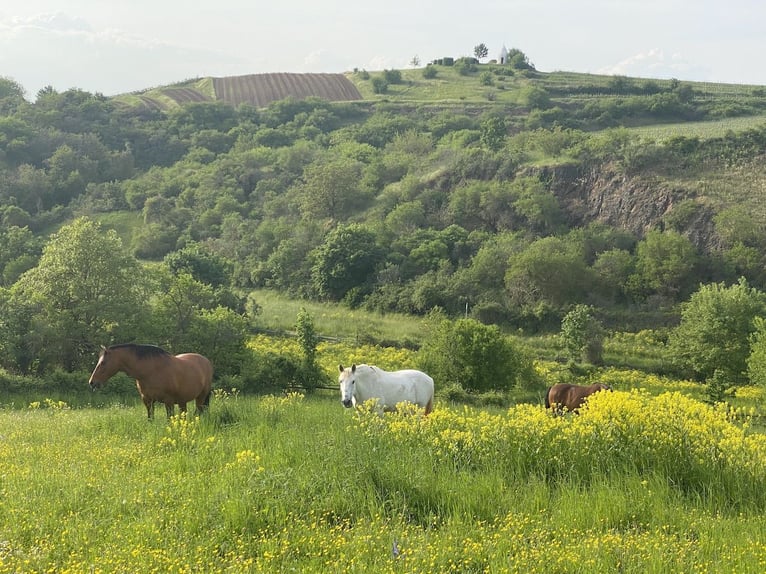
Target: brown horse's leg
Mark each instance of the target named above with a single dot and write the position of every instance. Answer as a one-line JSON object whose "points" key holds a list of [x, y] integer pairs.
{"points": [[169, 409], [203, 403], [149, 404]]}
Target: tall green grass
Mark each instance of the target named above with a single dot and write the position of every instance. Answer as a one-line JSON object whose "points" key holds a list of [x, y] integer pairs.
{"points": [[277, 484]]}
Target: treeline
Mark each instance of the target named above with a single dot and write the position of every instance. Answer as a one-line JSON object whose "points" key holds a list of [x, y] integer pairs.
{"points": [[377, 206]]}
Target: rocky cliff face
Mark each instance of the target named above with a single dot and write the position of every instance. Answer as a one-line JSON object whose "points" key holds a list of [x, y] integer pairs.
{"points": [[637, 204]]}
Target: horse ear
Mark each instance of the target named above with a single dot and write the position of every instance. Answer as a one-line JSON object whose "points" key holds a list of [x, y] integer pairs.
{"points": [[340, 368], [353, 368]]}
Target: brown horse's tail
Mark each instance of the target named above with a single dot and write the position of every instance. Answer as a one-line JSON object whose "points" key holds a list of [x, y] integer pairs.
{"points": [[430, 405], [547, 398], [205, 403]]}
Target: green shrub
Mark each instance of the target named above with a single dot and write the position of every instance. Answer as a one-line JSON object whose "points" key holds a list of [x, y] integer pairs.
{"points": [[379, 85], [716, 330], [393, 76], [583, 335], [756, 361], [475, 356]]}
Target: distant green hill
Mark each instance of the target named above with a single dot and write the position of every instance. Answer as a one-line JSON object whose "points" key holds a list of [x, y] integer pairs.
{"points": [[569, 99], [462, 186]]}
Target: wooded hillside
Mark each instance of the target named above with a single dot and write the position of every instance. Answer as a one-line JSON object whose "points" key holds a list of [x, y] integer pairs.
{"points": [[509, 194]]}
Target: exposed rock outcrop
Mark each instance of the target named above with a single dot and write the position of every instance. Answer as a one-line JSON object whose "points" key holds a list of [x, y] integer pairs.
{"points": [[636, 204]]}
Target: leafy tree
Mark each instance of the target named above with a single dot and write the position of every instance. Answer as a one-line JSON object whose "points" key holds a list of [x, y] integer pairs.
{"points": [[480, 51], [434, 289], [493, 132], [195, 117], [85, 291], [392, 76], [288, 267], [154, 241], [32, 190], [19, 251], [311, 373], [471, 355], [331, 189], [613, 267], [534, 97], [202, 264], [518, 60], [379, 85], [717, 323], [180, 300], [308, 339], [346, 260], [583, 335], [221, 335], [538, 206], [17, 139], [550, 271], [665, 261], [736, 225], [756, 360], [11, 95], [743, 261], [406, 218]]}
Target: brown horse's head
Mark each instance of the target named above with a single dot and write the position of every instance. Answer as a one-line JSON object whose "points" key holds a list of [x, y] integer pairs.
{"points": [[105, 368]]}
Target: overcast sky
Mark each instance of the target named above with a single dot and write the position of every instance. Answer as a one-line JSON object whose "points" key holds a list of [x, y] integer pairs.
{"points": [[117, 46]]}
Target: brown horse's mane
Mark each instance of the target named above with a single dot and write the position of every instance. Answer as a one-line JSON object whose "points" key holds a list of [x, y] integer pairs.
{"points": [[142, 351]]}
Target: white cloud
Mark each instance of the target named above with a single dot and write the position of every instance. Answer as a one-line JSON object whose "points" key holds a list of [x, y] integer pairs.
{"points": [[654, 63], [57, 21], [109, 61]]}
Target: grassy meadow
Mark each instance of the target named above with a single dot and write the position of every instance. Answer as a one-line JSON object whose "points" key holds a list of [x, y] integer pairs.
{"points": [[637, 483], [278, 314]]}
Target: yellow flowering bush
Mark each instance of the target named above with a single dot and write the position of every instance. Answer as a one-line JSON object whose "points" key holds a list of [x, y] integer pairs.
{"points": [[331, 354], [693, 444], [183, 434]]}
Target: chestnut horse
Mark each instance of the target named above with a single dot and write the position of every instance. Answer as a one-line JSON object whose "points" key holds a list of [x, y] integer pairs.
{"points": [[160, 376], [566, 397]]}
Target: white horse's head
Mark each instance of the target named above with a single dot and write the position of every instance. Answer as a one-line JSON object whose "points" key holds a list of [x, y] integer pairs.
{"points": [[347, 379]]}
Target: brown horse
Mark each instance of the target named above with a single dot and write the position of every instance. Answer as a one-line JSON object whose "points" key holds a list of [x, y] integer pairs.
{"points": [[160, 376], [568, 397]]}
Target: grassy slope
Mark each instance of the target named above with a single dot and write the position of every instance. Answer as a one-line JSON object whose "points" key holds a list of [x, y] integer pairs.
{"points": [[279, 484], [279, 314]]}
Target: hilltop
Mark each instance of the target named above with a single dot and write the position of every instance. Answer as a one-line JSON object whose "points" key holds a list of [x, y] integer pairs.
{"points": [[481, 87]]}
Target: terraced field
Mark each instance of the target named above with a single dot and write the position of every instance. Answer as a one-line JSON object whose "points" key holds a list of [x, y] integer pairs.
{"points": [[255, 89], [262, 89]]}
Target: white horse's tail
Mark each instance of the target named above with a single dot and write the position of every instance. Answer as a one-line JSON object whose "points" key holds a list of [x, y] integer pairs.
{"points": [[430, 405]]}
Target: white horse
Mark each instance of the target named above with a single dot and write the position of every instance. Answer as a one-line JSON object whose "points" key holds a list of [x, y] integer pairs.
{"points": [[359, 383]]}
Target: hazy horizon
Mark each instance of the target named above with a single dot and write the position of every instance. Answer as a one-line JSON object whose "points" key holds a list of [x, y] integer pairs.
{"points": [[123, 46]]}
